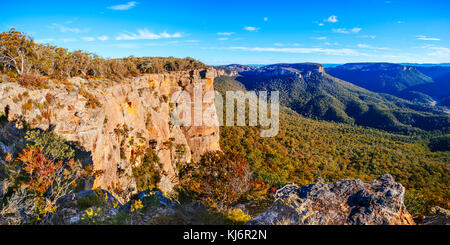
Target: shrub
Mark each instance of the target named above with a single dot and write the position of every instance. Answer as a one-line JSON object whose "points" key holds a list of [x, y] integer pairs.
{"points": [[147, 173], [33, 80], [95, 199], [93, 102], [39, 171], [237, 216], [36, 184], [52, 145], [218, 180]]}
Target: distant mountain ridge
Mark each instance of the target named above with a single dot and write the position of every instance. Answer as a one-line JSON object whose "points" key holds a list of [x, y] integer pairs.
{"points": [[309, 90], [380, 77], [412, 82]]}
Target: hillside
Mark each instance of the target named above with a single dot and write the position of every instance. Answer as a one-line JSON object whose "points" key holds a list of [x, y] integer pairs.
{"points": [[440, 88], [308, 150], [308, 90], [380, 77], [416, 83]]}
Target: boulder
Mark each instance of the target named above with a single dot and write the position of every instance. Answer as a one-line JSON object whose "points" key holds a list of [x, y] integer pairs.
{"points": [[346, 202], [439, 216]]}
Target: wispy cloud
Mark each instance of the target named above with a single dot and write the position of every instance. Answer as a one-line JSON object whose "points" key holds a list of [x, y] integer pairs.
{"points": [[103, 38], [126, 6], [441, 53], [321, 24], [45, 40], [223, 38], [366, 46], [225, 33], [327, 51], [190, 42], [251, 28], [368, 36], [346, 31], [68, 40], [332, 19], [266, 18], [319, 38], [287, 44], [422, 37], [63, 28], [88, 39], [144, 34]]}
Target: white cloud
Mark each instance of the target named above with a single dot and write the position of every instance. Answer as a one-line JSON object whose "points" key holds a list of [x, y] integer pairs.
{"points": [[192, 42], [251, 28], [366, 46], [319, 38], [441, 53], [223, 38], [332, 19], [348, 52], [144, 34], [266, 19], [346, 31], [321, 24], [422, 37], [45, 40], [400, 22], [225, 33], [126, 6], [62, 28], [88, 39], [103, 38], [68, 40]]}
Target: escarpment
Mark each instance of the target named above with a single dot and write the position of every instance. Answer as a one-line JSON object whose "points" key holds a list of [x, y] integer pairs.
{"points": [[123, 125]]}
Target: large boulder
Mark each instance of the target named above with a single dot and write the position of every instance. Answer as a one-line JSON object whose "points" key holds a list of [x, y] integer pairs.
{"points": [[346, 202], [439, 216]]}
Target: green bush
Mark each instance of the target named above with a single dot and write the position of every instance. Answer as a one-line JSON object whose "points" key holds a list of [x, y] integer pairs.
{"points": [[95, 199], [53, 145], [147, 174]]}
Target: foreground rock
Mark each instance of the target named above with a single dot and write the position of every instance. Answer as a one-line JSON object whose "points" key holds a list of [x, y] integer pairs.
{"points": [[346, 202]]}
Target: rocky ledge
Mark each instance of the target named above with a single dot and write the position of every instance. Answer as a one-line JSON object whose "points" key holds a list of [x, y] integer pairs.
{"points": [[346, 202]]}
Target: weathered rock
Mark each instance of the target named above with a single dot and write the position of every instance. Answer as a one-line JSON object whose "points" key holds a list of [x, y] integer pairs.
{"points": [[346, 202], [439, 216], [113, 121], [71, 210]]}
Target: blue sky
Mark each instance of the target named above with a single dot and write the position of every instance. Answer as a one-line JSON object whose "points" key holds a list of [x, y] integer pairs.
{"points": [[245, 32]]}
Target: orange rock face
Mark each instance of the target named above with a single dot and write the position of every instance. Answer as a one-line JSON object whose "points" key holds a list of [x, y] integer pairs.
{"points": [[132, 115]]}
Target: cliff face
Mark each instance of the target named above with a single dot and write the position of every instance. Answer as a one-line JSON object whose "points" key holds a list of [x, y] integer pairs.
{"points": [[118, 123]]}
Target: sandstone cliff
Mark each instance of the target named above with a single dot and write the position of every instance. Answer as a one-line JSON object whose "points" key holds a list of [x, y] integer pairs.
{"points": [[346, 202], [114, 122]]}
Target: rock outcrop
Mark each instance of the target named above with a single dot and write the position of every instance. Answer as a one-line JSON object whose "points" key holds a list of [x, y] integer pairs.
{"points": [[439, 216], [346, 202], [117, 121]]}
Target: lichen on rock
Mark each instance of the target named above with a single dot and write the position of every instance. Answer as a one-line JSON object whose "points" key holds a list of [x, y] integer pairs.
{"points": [[346, 202]]}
